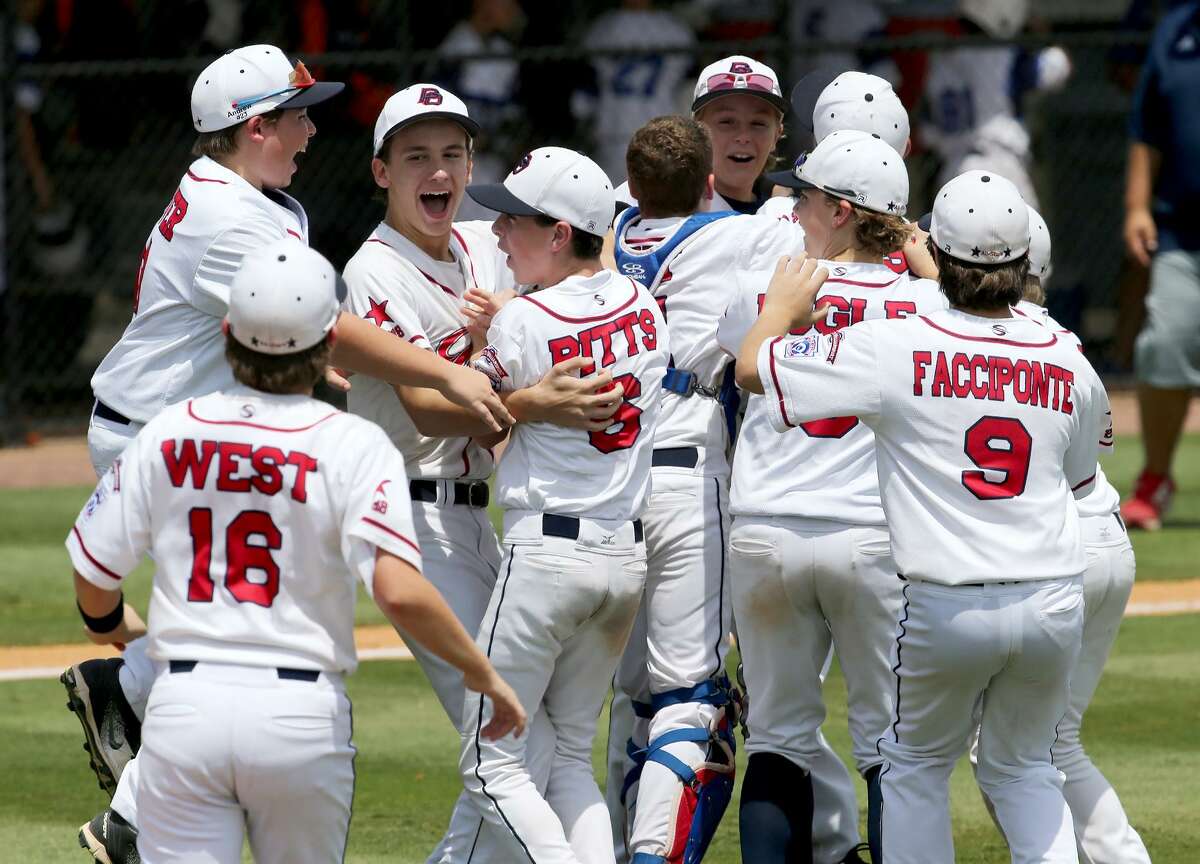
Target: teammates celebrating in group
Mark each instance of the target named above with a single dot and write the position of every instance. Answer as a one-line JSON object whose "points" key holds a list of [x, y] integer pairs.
{"points": [[902, 492]]}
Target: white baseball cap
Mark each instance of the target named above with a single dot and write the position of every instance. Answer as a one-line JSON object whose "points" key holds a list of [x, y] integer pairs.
{"points": [[858, 166], [284, 298], [253, 80], [420, 102], [1039, 245], [738, 74], [856, 100], [554, 182], [979, 217]]}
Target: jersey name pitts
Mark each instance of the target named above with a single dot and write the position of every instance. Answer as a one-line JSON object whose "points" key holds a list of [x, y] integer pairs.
{"points": [[993, 378], [267, 464], [581, 344]]}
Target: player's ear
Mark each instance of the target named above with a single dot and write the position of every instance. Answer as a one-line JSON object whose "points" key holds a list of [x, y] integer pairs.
{"points": [[907, 147], [561, 238], [710, 187], [379, 170], [842, 212], [224, 326], [254, 128]]}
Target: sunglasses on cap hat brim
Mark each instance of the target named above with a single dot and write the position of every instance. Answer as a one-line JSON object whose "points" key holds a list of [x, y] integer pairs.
{"points": [[468, 125], [731, 83], [496, 196], [309, 91]]}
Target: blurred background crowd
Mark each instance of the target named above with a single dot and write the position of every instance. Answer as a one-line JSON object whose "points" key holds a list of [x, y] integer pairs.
{"points": [[95, 130]]}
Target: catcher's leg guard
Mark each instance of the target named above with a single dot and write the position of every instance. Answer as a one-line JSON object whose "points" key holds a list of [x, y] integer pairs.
{"points": [[701, 773]]}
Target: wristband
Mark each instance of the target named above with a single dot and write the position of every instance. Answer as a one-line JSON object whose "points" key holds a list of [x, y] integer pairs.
{"points": [[105, 623]]}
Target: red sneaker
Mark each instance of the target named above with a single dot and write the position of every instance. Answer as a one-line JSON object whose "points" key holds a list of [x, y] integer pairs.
{"points": [[1151, 499]]}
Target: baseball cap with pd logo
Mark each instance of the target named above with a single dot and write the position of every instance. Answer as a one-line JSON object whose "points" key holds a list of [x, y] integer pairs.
{"points": [[250, 81], [738, 74], [420, 102], [284, 298], [979, 217], [554, 182], [860, 167]]}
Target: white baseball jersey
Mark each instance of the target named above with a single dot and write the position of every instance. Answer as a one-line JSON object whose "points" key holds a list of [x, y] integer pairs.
{"points": [[551, 469], [403, 290], [635, 89], [1104, 499], [984, 429], [173, 349], [688, 264], [825, 469], [259, 511]]}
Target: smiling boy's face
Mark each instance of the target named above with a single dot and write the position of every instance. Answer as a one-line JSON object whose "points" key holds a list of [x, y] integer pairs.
{"points": [[745, 129], [426, 172]]}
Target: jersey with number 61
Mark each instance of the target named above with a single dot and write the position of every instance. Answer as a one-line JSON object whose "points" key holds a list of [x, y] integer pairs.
{"points": [[260, 511], [984, 429], [552, 469]]}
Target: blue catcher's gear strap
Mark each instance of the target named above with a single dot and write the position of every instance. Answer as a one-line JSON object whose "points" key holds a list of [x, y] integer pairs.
{"points": [[638, 755], [643, 267], [647, 858], [714, 691], [655, 753]]}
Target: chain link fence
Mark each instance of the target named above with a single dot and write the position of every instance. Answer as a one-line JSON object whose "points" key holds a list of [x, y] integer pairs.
{"points": [[95, 134]]}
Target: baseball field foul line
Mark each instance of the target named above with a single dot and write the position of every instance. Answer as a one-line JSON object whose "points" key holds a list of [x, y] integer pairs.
{"points": [[32, 662]]}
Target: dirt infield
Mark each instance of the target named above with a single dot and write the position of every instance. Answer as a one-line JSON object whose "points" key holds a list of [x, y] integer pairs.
{"points": [[381, 642], [65, 462]]}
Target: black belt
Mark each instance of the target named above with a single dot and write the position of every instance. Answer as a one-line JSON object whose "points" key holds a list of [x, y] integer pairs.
{"points": [[675, 457], [103, 411], [567, 527], [310, 675], [473, 494]]}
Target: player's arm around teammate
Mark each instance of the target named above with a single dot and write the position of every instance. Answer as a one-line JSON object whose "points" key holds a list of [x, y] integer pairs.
{"points": [[574, 560], [983, 421], [273, 640]]}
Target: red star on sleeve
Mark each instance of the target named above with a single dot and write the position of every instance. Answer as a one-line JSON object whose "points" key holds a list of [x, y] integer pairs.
{"points": [[378, 313]]}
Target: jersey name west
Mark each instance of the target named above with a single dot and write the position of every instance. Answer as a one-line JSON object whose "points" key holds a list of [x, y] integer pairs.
{"points": [[187, 459], [996, 379]]}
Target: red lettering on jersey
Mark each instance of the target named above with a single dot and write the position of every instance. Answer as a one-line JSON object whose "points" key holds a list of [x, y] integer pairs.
{"points": [[628, 321], [995, 379], [456, 347], [267, 479], [174, 214], [649, 329], [603, 334], [304, 465], [231, 452], [430, 96], [242, 555], [899, 308], [188, 461], [141, 273], [796, 331], [563, 348], [921, 361], [842, 313]]}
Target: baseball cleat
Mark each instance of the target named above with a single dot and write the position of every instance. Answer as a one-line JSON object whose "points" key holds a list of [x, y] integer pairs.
{"points": [[110, 839], [111, 731], [1151, 499]]}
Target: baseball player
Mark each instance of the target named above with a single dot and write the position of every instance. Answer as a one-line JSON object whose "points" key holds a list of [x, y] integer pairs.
{"points": [[413, 278], [262, 506], [635, 88], [739, 100], [686, 259], [809, 554], [574, 562], [985, 424], [1102, 830], [249, 108]]}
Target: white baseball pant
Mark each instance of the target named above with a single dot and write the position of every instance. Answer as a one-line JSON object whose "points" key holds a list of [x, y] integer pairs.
{"points": [[1010, 647], [230, 750], [1103, 834], [687, 619], [555, 628]]}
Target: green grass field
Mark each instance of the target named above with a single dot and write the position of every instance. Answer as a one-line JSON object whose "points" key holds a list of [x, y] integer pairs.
{"points": [[1142, 729]]}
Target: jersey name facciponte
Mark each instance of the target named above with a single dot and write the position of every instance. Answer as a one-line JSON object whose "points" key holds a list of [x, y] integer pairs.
{"points": [[939, 374]]}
